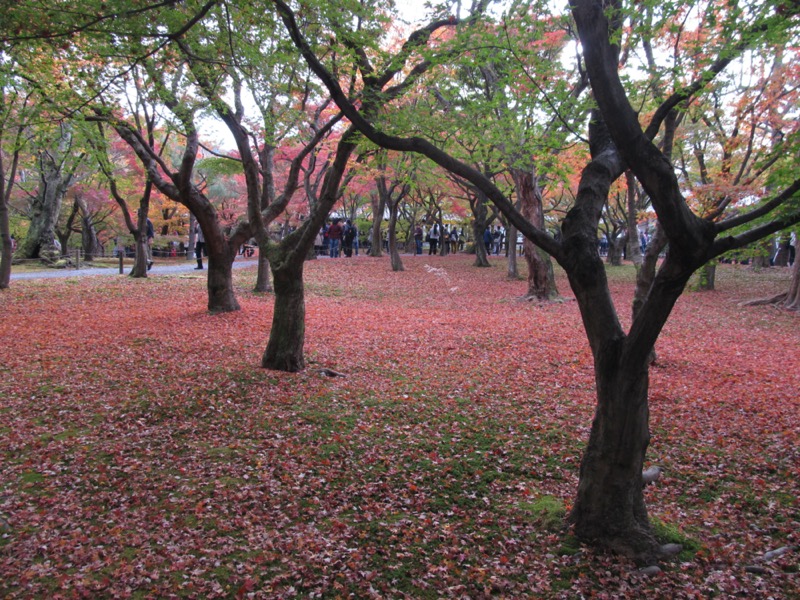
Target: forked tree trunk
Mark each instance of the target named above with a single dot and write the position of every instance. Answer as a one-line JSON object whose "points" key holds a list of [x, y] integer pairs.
{"points": [[284, 350], [89, 241]]}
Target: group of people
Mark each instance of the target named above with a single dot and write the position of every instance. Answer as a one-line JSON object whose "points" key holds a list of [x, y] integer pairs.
{"points": [[451, 240], [337, 238], [493, 239]]}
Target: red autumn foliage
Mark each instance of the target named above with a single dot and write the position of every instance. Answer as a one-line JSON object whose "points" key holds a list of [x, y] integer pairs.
{"points": [[144, 454]]}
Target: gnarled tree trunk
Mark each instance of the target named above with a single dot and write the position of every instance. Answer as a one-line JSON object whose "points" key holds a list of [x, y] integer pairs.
{"points": [[45, 210]]}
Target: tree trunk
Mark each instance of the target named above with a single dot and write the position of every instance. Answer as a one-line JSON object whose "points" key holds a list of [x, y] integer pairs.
{"points": [[45, 209], [378, 207], [481, 256], [221, 297], [762, 253], [513, 268], [263, 284], [284, 350], [609, 510], [792, 301], [89, 241], [139, 268], [397, 263], [634, 244], [646, 275], [615, 246], [479, 225], [707, 277], [541, 277], [5, 248]]}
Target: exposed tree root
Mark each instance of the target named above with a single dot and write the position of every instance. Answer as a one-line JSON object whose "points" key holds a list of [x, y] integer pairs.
{"points": [[777, 299]]}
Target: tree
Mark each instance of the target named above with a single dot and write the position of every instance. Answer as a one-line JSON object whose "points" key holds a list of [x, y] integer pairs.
{"points": [[14, 110], [58, 160], [393, 187], [609, 510]]}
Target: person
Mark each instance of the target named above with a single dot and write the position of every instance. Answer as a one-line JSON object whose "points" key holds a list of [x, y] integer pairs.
{"points": [[318, 241], [453, 240], [434, 239], [350, 233], [488, 239], [335, 233], [418, 239], [148, 245], [199, 245], [13, 244], [326, 242]]}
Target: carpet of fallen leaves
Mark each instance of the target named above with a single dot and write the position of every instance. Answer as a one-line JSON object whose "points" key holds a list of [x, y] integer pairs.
{"points": [[143, 453]]}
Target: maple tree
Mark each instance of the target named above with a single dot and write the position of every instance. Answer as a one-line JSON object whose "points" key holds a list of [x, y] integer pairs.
{"points": [[609, 509], [58, 159]]}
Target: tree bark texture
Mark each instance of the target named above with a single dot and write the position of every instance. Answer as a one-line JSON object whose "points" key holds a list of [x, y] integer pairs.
{"points": [[221, 297], [45, 210], [479, 225], [541, 277], [284, 350], [378, 202], [513, 269], [609, 509], [792, 301], [263, 284], [646, 275]]}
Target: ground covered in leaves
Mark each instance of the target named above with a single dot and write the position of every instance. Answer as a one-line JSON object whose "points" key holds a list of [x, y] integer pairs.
{"points": [[144, 454]]}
